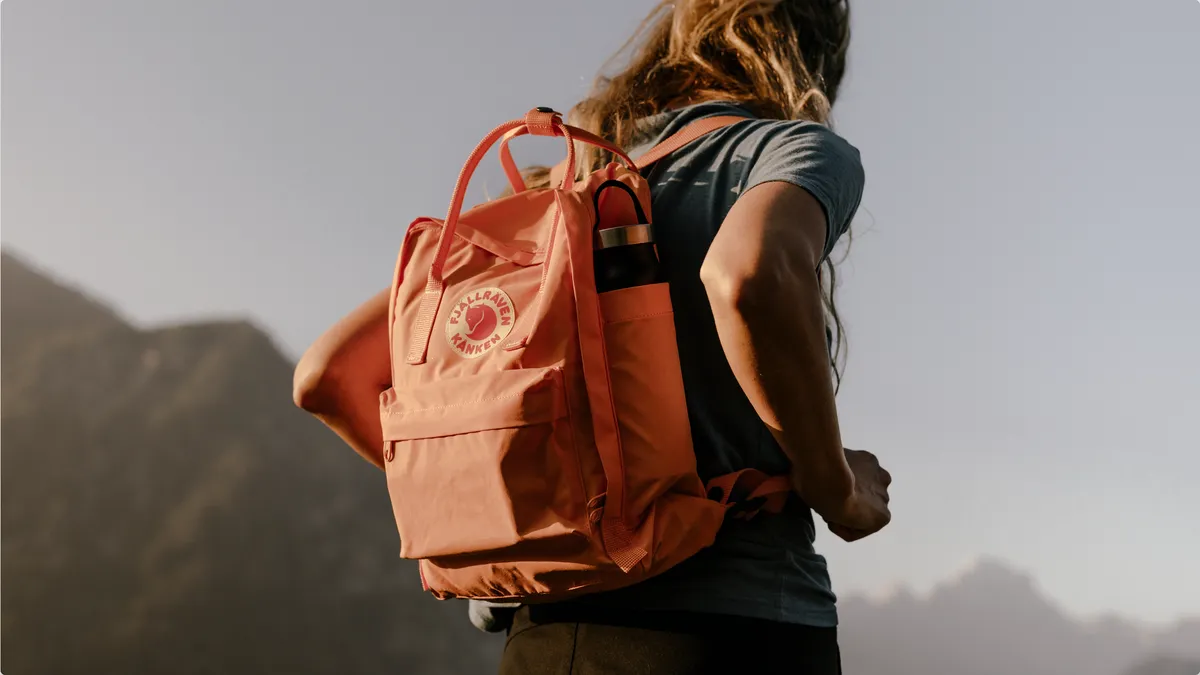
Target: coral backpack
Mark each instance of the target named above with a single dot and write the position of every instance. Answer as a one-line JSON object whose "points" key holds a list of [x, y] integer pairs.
{"points": [[536, 437]]}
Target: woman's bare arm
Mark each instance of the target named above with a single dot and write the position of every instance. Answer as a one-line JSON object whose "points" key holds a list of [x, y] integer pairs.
{"points": [[761, 278], [340, 377]]}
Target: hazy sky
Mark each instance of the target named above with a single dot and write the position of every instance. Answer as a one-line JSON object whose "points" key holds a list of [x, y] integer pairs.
{"points": [[1022, 297]]}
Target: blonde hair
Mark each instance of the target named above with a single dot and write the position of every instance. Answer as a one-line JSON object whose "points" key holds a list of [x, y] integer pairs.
{"points": [[779, 59]]}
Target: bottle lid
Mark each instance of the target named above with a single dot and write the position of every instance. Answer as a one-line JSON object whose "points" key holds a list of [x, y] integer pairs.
{"points": [[624, 236]]}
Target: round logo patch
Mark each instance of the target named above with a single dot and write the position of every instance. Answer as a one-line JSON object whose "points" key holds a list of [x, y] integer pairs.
{"points": [[479, 321]]}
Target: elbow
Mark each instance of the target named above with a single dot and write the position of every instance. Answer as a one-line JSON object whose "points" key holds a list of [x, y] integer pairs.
{"points": [[758, 285], [739, 288], [724, 285], [310, 384]]}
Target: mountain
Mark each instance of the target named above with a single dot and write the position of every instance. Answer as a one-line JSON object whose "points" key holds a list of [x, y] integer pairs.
{"points": [[42, 309], [166, 509], [1166, 666], [993, 620]]}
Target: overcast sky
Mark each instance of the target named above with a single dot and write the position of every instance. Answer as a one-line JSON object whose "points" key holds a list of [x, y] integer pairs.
{"points": [[1022, 297]]}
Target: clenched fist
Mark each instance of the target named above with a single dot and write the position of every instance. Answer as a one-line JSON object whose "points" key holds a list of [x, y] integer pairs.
{"points": [[866, 512]]}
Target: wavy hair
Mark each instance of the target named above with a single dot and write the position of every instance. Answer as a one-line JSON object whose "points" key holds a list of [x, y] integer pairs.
{"points": [[779, 59]]}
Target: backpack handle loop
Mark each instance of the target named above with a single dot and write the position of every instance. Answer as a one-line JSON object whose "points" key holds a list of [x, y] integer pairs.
{"points": [[539, 122], [538, 128]]}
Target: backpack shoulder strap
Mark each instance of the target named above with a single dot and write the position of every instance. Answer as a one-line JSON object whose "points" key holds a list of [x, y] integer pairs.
{"points": [[686, 135], [675, 141]]}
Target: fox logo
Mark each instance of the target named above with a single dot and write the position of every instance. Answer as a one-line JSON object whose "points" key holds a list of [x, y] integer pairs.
{"points": [[479, 321]]}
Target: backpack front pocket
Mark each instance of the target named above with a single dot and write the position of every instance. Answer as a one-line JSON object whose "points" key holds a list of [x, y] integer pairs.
{"points": [[482, 463]]}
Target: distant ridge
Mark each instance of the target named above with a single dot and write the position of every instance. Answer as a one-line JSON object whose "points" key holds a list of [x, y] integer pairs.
{"points": [[165, 509]]}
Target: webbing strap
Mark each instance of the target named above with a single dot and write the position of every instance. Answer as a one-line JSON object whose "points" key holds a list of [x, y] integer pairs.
{"points": [[686, 135], [746, 492], [539, 122], [515, 179], [619, 539]]}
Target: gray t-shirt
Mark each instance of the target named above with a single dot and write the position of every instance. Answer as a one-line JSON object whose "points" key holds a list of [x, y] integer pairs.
{"points": [[766, 567]]}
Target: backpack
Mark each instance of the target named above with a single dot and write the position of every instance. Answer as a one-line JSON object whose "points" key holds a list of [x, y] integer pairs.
{"points": [[536, 436]]}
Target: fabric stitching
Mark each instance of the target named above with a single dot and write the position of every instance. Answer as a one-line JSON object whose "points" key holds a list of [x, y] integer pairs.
{"points": [[583, 489], [454, 405]]}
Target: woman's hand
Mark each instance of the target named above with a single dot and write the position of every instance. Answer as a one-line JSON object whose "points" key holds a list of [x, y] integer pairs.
{"points": [[866, 511]]}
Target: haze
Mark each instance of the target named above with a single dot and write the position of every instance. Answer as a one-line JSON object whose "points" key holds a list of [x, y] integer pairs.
{"points": [[1021, 297]]}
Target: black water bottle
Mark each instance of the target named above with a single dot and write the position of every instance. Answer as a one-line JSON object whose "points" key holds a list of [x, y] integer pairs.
{"points": [[625, 256]]}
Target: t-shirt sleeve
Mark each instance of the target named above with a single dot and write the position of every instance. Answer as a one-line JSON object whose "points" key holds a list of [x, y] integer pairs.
{"points": [[813, 157]]}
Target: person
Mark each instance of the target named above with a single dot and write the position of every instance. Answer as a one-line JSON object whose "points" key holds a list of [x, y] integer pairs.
{"points": [[745, 219]]}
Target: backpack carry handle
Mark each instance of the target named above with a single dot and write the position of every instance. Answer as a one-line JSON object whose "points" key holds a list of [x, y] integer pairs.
{"points": [[669, 145], [517, 181], [539, 122]]}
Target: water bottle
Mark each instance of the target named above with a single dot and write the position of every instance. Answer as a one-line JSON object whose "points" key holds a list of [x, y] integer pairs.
{"points": [[625, 256]]}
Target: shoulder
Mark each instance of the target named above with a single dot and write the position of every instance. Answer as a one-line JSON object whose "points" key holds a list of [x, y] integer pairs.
{"points": [[808, 155], [788, 145]]}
